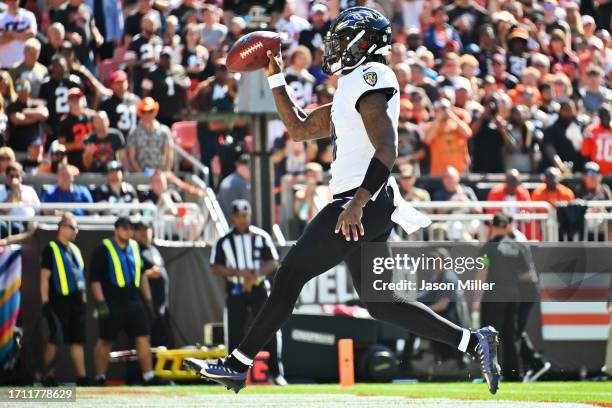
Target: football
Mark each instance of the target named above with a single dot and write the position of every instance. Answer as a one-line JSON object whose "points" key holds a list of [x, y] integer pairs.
{"points": [[249, 52]]}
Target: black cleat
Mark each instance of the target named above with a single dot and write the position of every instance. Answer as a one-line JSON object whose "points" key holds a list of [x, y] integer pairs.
{"points": [[217, 372], [488, 341]]}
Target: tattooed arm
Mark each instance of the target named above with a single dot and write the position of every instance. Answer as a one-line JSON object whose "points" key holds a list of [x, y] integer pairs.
{"points": [[301, 125]]}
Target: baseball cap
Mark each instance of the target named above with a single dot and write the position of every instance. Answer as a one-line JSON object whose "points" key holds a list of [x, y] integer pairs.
{"points": [[74, 91], [591, 168], [114, 166], [413, 31], [117, 76], [123, 222], [519, 32], [244, 159], [166, 52], [318, 8], [141, 224], [240, 207], [499, 59], [587, 19]]}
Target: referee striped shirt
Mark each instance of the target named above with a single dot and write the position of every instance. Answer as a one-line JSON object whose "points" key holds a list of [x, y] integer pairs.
{"points": [[244, 251]]}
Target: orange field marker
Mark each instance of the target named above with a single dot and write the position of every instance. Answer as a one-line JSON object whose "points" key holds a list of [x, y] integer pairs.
{"points": [[346, 366]]}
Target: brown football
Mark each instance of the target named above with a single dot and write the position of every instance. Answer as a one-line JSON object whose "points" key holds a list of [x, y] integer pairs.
{"points": [[249, 52]]}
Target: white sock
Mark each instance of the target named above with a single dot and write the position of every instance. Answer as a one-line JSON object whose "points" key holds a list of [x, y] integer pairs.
{"points": [[101, 377], [465, 340], [148, 375], [238, 355]]}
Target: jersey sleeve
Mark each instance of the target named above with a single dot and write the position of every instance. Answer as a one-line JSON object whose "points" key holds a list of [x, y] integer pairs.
{"points": [[372, 78], [588, 143], [217, 255]]}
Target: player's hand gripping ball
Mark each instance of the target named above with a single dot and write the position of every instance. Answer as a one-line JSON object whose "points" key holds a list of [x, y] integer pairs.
{"points": [[249, 53]]}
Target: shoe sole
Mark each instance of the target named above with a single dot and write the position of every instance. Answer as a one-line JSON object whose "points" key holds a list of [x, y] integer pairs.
{"points": [[233, 385]]}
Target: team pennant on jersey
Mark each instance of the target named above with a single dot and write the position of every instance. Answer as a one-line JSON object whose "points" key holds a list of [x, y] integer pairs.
{"points": [[370, 78]]}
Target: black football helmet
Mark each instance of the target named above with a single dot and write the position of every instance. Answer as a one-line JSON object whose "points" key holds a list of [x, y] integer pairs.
{"points": [[357, 35]]}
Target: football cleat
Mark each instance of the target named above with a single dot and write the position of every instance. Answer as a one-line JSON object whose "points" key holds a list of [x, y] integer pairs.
{"points": [[217, 372], [488, 341], [533, 375]]}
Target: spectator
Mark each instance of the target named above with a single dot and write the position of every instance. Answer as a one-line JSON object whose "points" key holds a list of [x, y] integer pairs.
{"points": [[452, 190], [213, 32], [510, 190], [503, 78], [216, 93], [488, 48], [312, 196], [168, 85], [194, 55], [313, 36], [597, 143], [518, 57], [65, 191], [81, 31], [92, 87], [25, 119], [491, 136], [171, 38], [121, 105], [439, 33], [291, 24], [185, 10], [420, 80], [115, 190], [410, 145], [236, 29], [33, 158], [563, 139], [160, 195], [525, 153], [103, 146], [421, 106], [54, 91], [30, 69], [133, 22], [143, 50], [18, 25], [592, 187], [7, 156], [236, 186], [58, 156], [56, 34], [109, 22], [407, 179], [150, 144], [75, 126], [402, 73], [464, 15], [594, 94], [13, 191], [399, 54], [7, 90], [552, 191], [298, 78], [561, 57], [447, 138]]}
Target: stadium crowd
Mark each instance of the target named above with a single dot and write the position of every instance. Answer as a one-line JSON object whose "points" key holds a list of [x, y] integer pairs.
{"points": [[485, 87]]}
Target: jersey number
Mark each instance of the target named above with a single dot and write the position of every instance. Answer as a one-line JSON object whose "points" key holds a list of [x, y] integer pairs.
{"points": [[127, 117], [170, 84], [604, 150], [61, 99]]}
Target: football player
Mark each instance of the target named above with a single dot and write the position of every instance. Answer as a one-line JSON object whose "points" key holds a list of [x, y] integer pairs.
{"points": [[363, 119]]}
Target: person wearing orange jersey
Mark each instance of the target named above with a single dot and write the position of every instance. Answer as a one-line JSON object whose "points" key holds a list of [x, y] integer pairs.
{"points": [[597, 142]]}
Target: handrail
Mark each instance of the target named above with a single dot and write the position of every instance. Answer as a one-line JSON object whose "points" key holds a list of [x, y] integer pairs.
{"points": [[196, 163], [484, 204], [213, 206]]}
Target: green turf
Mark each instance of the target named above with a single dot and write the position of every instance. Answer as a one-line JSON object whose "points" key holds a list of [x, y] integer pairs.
{"points": [[593, 392]]}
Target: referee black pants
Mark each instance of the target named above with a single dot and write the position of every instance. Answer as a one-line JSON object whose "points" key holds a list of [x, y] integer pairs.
{"points": [[318, 250], [238, 310]]}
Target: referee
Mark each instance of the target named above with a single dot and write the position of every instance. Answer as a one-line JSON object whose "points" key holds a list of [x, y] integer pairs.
{"points": [[244, 257], [120, 289], [63, 296]]}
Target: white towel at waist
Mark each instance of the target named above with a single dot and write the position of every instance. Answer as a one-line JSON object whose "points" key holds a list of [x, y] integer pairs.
{"points": [[405, 214]]}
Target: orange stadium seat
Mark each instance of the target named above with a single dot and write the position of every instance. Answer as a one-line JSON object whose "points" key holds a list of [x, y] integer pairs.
{"points": [[186, 135]]}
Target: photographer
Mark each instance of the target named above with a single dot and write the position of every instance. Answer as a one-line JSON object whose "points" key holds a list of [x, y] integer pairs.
{"points": [[490, 137]]}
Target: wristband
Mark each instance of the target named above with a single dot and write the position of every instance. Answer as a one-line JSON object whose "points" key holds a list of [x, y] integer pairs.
{"points": [[276, 80], [376, 175]]}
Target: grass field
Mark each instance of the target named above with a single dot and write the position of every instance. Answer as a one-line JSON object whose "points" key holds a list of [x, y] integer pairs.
{"points": [[439, 395]]}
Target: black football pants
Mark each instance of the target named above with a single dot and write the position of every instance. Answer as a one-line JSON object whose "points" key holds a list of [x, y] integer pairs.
{"points": [[320, 249]]}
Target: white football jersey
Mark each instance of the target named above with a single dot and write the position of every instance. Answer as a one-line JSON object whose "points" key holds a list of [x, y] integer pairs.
{"points": [[352, 149]]}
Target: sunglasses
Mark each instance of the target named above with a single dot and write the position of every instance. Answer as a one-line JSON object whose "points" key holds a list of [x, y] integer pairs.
{"points": [[13, 175]]}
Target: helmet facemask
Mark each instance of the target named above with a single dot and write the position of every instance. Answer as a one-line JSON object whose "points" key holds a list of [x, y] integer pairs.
{"points": [[360, 46]]}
